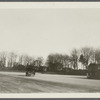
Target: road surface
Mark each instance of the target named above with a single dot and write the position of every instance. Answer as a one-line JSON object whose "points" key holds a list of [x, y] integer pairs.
{"points": [[16, 82]]}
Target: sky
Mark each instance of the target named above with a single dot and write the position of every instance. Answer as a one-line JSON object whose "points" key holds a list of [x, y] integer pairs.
{"points": [[39, 32]]}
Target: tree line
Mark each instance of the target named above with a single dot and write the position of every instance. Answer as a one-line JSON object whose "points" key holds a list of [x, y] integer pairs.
{"points": [[77, 59], [11, 60]]}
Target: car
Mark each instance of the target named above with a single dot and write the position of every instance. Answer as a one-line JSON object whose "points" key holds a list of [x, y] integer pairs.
{"points": [[30, 70]]}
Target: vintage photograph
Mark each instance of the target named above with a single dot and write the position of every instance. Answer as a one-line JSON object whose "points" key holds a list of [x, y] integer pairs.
{"points": [[50, 50]]}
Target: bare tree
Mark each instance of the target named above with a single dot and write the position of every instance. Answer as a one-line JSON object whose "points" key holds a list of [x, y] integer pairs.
{"points": [[97, 56], [87, 53], [26, 59], [66, 60], [12, 57], [39, 61], [3, 58], [21, 60], [56, 62], [74, 58]]}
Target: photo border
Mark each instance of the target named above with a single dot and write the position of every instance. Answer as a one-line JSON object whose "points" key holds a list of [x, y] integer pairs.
{"points": [[76, 96]]}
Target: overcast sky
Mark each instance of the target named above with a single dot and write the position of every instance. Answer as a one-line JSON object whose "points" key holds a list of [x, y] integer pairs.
{"points": [[40, 32]]}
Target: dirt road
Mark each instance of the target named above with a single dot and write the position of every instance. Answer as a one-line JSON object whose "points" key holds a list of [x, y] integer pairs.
{"points": [[15, 82]]}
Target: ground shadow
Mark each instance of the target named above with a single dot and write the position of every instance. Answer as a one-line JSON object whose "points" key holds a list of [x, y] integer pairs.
{"points": [[85, 78]]}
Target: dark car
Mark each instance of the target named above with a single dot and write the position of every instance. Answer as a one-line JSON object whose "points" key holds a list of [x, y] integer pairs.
{"points": [[93, 71], [30, 70]]}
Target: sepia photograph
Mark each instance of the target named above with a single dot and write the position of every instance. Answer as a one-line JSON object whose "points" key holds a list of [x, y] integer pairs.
{"points": [[49, 49]]}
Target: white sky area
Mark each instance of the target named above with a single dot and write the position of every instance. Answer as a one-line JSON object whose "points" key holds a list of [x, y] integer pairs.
{"points": [[39, 32]]}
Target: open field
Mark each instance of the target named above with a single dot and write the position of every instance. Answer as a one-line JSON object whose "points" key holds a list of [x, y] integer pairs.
{"points": [[16, 82]]}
